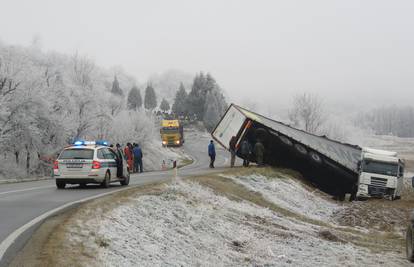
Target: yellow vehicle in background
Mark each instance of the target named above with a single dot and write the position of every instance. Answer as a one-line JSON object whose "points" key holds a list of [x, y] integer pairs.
{"points": [[172, 133]]}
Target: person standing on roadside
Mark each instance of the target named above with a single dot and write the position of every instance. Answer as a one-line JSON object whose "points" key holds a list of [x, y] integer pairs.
{"points": [[138, 155], [245, 151], [119, 161], [129, 156], [259, 153], [212, 153], [232, 146]]}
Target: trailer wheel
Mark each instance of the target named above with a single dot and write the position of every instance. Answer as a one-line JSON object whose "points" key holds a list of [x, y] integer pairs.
{"points": [[409, 243], [315, 157], [301, 149], [286, 140]]}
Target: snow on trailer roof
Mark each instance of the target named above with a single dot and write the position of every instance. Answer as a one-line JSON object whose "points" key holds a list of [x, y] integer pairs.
{"points": [[345, 154], [380, 152]]}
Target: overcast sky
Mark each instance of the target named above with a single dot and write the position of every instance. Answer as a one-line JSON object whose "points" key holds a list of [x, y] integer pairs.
{"points": [[265, 51]]}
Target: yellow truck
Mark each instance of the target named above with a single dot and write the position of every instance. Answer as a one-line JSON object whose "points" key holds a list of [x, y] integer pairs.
{"points": [[172, 133]]}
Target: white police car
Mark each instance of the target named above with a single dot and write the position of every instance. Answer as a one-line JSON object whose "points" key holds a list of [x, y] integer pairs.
{"points": [[88, 162]]}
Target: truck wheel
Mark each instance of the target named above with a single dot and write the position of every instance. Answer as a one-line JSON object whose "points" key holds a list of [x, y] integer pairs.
{"points": [[285, 140], [105, 182], [409, 243], [301, 149], [125, 181], [315, 157], [60, 185]]}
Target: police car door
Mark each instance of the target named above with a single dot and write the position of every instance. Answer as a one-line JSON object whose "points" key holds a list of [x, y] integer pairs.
{"points": [[112, 166], [102, 159]]}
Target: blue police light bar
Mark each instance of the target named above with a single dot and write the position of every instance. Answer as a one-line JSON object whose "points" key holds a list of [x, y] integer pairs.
{"points": [[84, 143], [101, 142], [79, 143]]}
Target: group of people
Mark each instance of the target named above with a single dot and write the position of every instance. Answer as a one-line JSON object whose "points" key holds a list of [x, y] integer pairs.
{"points": [[245, 151], [133, 156]]}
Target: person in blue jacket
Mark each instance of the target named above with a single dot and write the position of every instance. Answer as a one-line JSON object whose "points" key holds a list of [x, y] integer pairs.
{"points": [[212, 153], [138, 155]]}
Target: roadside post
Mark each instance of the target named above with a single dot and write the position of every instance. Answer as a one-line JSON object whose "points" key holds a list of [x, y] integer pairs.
{"points": [[175, 169]]}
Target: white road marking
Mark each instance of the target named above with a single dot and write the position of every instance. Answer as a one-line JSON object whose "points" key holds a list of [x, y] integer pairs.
{"points": [[27, 189], [6, 243]]}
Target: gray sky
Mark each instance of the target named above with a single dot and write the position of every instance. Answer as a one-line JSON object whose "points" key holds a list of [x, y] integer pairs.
{"points": [[265, 51]]}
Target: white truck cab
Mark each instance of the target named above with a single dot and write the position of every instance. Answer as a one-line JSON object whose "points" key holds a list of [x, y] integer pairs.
{"points": [[381, 174]]}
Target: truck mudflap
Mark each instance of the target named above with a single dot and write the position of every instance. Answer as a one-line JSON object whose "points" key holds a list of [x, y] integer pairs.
{"points": [[329, 164]]}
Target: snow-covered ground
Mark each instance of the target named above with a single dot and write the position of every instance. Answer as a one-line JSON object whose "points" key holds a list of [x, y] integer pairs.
{"points": [[155, 154], [292, 195], [188, 224]]}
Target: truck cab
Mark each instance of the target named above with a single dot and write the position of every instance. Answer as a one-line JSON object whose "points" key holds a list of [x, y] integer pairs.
{"points": [[380, 174], [172, 133]]}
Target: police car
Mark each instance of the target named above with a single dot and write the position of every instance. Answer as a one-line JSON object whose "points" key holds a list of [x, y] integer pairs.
{"points": [[88, 162]]}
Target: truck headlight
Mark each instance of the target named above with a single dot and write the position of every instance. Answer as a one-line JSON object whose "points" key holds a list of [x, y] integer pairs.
{"points": [[164, 142], [177, 142]]}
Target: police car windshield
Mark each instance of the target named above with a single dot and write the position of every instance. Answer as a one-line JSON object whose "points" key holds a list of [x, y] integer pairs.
{"points": [[77, 153]]}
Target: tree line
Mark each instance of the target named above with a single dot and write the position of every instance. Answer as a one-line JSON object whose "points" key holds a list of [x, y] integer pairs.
{"points": [[390, 120], [205, 101]]}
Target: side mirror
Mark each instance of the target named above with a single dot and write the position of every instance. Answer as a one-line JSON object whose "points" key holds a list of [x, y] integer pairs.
{"points": [[412, 181]]}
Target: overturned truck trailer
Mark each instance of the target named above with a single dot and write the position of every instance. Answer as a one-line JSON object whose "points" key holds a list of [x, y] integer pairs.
{"points": [[329, 164]]}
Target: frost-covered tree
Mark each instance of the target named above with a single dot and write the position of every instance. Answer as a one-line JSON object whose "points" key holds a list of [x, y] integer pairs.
{"points": [[307, 112], [179, 107], [134, 101], [82, 69], [164, 106], [116, 90], [45, 101], [389, 120], [150, 101], [197, 96], [215, 106], [206, 102]]}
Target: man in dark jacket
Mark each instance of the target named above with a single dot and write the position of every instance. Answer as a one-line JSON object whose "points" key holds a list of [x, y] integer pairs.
{"points": [[119, 161], [259, 153], [212, 153], [232, 146], [245, 151], [138, 155]]}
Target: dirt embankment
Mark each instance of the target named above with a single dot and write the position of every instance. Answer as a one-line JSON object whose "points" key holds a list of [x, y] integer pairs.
{"points": [[243, 217]]}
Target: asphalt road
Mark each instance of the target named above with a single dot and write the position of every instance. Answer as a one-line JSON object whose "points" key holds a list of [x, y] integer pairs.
{"points": [[23, 203]]}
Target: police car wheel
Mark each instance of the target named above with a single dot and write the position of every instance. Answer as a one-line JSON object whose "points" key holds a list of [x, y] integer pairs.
{"points": [[60, 185], [105, 182], [409, 243]]}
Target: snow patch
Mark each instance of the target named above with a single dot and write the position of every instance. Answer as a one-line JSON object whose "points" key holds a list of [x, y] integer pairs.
{"points": [[291, 195]]}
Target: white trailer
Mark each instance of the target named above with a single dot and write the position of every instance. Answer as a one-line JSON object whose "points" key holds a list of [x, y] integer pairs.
{"points": [[328, 163]]}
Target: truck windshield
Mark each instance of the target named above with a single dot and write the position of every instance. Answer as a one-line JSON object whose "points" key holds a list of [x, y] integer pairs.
{"points": [[169, 130], [77, 154], [380, 168]]}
